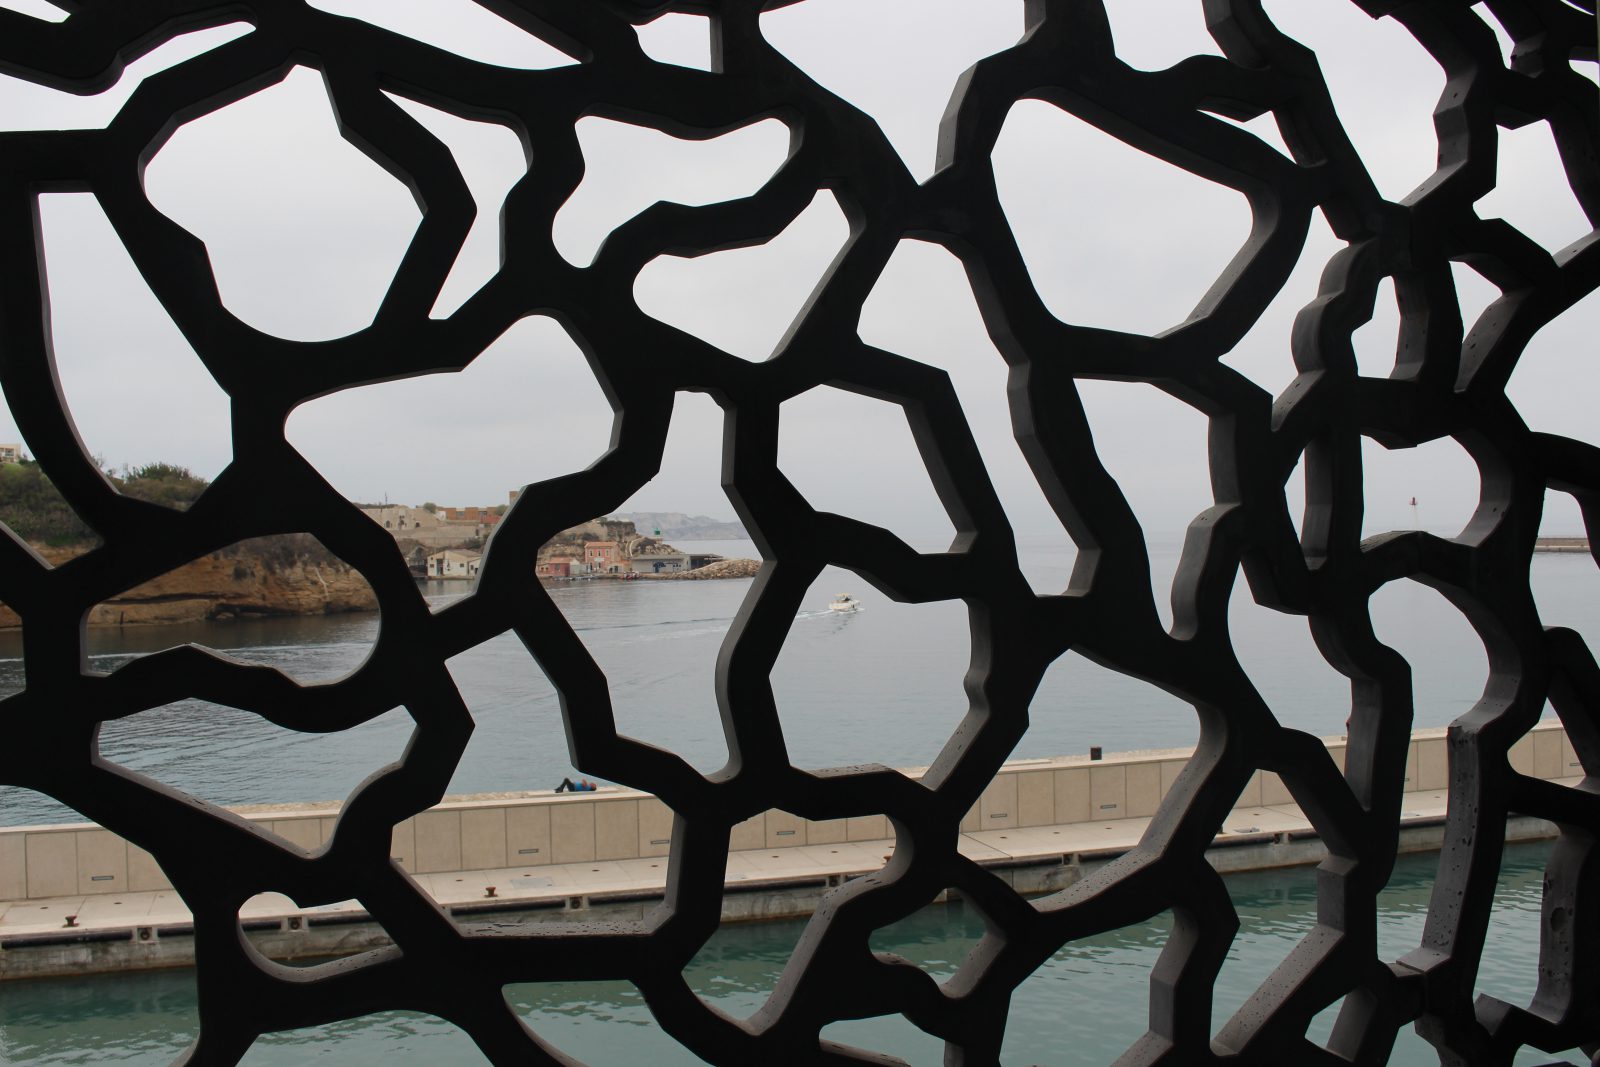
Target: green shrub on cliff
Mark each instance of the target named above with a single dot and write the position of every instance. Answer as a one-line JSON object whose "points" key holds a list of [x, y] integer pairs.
{"points": [[162, 483], [34, 509]]}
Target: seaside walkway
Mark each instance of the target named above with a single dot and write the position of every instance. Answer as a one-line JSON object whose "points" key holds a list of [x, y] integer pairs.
{"points": [[85, 932]]}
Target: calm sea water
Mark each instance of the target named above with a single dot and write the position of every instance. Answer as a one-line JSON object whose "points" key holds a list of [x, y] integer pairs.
{"points": [[881, 685], [1085, 1006]]}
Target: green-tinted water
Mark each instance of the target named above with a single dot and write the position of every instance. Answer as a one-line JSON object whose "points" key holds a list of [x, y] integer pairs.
{"points": [[1084, 1006]]}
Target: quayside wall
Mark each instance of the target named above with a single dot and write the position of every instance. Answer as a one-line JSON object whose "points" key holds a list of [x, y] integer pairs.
{"points": [[495, 831]]}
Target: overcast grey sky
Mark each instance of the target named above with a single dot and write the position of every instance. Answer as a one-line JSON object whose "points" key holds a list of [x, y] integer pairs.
{"points": [[304, 233]]}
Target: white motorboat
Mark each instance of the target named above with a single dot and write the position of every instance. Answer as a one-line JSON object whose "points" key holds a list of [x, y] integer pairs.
{"points": [[844, 602]]}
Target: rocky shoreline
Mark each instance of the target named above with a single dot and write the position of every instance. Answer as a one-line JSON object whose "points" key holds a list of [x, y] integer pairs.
{"points": [[243, 581]]}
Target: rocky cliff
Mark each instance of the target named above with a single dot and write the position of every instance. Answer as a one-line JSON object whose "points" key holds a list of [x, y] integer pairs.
{"points": [[277, 577]]}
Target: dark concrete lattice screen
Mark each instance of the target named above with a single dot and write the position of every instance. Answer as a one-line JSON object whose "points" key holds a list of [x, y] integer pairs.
{"points": [[1448, 381]]}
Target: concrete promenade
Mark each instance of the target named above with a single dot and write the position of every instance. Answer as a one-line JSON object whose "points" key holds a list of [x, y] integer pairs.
{"points": [[130, 928]]}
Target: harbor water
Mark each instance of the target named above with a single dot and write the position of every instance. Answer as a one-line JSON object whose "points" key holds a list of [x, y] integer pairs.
{"points": [[883, 684], [1084, 1006]]}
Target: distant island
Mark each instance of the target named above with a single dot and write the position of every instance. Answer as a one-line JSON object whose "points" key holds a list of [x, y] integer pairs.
{"points": [[676, 526]]}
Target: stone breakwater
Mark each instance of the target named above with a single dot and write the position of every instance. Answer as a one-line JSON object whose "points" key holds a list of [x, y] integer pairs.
{"points": [[727, 568], [229, 584]]}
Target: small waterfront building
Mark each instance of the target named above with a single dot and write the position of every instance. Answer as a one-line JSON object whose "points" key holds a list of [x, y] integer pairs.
{"points": [[659, 559], [453, 563], [11, 454], [556, 567], [602, 557]]}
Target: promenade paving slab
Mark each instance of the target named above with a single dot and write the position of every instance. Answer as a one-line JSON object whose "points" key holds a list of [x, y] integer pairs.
{"points": [[117, 910], [647, 876]]}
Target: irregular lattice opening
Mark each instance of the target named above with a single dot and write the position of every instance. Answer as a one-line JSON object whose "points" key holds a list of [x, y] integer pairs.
{"points": [[832, 679], [1520, 922], [1564, 579], [1264, 354], [842, 44], [1157, 34], [1501, 37], [1276, 909], [827, 431], [1474, 293], [1079, 998], [1375, 340], [628, 168], [1449, 667], [525, 410], [682, 40], [1589, 69], [1111, 237], [937, 939], [36, 9], [399, 1037], [216, 753], [283, 601], [1320, 1028], [1531, 190], [1263, 126], [1561, 523], [743, 300], [657, 643], [1383, 83], [1434, 486], [1279, 654], [26, 105], [274, 924], [595, 1022], [491, 159], [735, 971], [681, 515], [1557, 356], [1294, 496], [117, 351], [1081, 705], [152, 1011], [518, 739], [1155, 448], [468, 29], [949, 333], [304, 232]]}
